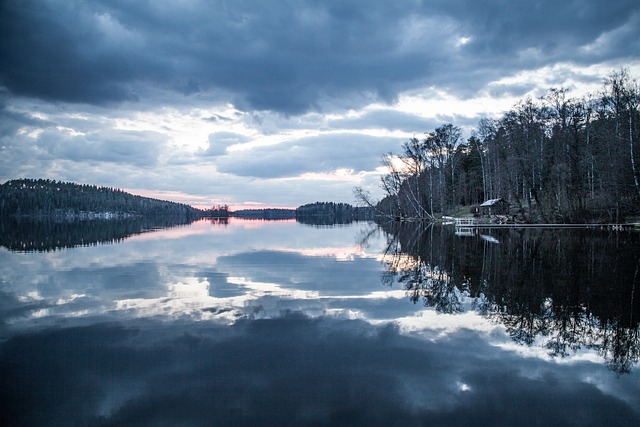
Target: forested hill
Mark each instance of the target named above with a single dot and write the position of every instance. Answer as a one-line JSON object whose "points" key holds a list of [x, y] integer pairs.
{"points": [[331, 213], [264, 214], [47, 198]]}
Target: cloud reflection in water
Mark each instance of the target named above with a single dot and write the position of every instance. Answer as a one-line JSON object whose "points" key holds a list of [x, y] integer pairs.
{"points": [[293, 370], [271, 325]]}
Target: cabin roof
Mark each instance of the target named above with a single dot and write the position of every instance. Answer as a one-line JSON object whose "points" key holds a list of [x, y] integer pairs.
{"points": [[491, 202]]}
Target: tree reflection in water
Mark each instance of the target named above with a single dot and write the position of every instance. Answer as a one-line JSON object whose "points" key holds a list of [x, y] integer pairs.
{"points": [[577, 288], [50, 234]]}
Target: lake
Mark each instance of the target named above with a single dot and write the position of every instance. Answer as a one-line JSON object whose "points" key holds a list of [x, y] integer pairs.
{"points": [[244, 322]]}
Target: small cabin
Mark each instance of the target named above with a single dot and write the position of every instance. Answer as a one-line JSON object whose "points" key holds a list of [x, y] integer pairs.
{"points": [[494, 207]]}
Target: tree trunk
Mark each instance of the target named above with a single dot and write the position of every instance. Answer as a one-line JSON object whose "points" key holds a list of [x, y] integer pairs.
{"points": [[631, 153]]}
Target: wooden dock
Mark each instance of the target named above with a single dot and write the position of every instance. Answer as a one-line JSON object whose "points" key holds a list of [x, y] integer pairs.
{"points": [[466, 223]]}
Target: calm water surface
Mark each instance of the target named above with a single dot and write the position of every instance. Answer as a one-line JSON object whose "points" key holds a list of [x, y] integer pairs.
{"points": [[281, 323]]}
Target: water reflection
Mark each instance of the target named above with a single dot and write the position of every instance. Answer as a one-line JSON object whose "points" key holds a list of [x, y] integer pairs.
{"points": [[279, 323], [49, 234], [571, 289], [208, 270]]}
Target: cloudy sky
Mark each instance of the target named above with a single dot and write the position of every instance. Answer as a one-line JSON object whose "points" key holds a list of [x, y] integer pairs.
{"points": [[277, 103]]}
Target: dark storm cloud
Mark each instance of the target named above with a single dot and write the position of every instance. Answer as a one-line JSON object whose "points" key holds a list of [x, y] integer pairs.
{"points": [[138, 148], [323, 153], [556, 29], [386, 119], [54, 50], [220, 141], [293, 57], [291, 371], [13, 150], [12, 121]]}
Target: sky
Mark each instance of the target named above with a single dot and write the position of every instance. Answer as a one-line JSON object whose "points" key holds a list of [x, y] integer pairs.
{"points": [[271, 103]]}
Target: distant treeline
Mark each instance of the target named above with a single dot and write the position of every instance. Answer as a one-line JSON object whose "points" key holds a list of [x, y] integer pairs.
{"points": [[312, 213], [48, 198], [264, 213], [220, 212], [555, 160], [332, 213]]}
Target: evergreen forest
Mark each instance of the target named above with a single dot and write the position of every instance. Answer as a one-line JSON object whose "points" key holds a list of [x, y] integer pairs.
{"points": [[267, 214], [36, 198], [321, 213]]}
